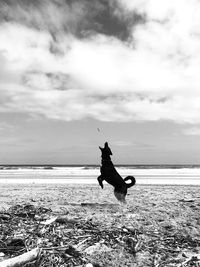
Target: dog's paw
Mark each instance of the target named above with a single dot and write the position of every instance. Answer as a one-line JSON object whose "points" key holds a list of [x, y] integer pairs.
{"points": [[100, 182]]}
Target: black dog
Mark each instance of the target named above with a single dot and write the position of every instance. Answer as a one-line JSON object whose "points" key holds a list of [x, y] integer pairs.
{"points": [[111, 176]]}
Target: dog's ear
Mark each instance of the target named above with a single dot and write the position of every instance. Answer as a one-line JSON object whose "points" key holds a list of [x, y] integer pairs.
{"points": [[106, 145], [101, 148]]}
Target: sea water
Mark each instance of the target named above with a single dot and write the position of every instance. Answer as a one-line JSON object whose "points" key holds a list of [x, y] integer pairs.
{"points": [[144, 174]]}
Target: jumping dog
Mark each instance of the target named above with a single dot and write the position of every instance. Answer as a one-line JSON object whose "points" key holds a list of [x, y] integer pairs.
{"points": [[111, 176]]}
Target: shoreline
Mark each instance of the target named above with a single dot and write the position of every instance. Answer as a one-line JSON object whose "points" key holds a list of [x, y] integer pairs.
{"points": [[93, 181]]}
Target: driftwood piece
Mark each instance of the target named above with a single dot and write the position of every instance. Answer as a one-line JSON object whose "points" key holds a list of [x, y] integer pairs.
{"points": [[66, 219], [21, 259], [49, 221], [60, 219], [192, 260], [88, 204], [187, 200], [5, 216]]}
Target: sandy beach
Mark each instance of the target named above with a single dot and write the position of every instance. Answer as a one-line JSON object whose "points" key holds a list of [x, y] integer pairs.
{"points": [[99, 94], [165, 218]]}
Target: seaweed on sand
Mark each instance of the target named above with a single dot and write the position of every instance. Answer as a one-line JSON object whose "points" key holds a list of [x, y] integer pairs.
{"points": [[76, 241]]}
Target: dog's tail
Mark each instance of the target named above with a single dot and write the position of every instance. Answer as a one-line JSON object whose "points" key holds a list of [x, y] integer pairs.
{"points": [[133, 181]]}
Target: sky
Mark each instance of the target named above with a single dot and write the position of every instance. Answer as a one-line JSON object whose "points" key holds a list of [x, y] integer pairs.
{"points": [[77, 73]]}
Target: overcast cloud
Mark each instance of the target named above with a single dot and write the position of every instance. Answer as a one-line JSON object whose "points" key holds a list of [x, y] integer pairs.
{"points": [[116, 60]]}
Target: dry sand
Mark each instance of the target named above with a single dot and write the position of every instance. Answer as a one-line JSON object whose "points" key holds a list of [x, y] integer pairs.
{"points": [[165, 218]]}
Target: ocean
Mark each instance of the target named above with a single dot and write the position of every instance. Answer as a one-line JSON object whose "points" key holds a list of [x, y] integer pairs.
{"points": [[87, 174]]}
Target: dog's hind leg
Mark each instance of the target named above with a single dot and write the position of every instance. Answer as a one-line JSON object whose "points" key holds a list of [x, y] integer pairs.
{"points": [[100, 180], [120, 196]]}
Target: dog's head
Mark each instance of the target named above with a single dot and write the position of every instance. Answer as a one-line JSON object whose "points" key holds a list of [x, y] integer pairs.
{"points": [[106, 151]]}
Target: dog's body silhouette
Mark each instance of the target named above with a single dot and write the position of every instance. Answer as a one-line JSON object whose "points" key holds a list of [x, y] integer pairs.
{"points": [[111, 176]]}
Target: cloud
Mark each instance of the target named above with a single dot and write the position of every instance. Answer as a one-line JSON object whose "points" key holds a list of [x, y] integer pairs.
{"points": [[78, 17], [61, 59], [192, 131], [5, 127], [128, 144]]}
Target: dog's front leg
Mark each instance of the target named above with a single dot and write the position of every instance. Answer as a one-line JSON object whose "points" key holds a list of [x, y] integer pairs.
{"points": [[100, 180]]}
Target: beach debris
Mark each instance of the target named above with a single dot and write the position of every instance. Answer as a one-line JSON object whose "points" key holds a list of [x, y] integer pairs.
{"points": [[133, 244], [130, 216], [4, 216], [49, 221], [65, 240], [2, 255], [21, 260], [27, 210], [187, 200], [59, 244], [192, 261], [81, 245], [66, 220], [15, 244], [72, 251], [88, 204], [98, 247], [189, 254]]}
